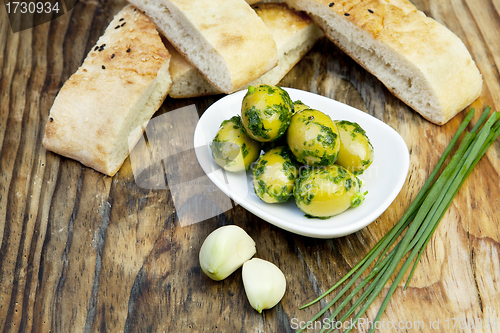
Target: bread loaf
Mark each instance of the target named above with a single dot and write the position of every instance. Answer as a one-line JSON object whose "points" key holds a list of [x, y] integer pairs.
{"points": [[224, 39], [416, 58], [102, 109], [294, 33]]}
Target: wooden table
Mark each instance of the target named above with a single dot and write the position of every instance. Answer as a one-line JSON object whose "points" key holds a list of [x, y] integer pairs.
{"points": [[83, 252]]}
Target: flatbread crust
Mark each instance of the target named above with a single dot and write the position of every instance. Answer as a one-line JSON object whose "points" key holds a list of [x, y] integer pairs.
{"points": [[101, 110]]}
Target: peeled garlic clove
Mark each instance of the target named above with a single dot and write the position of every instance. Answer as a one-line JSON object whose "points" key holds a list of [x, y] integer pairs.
{"points": [[225, 250], [264, 283]]}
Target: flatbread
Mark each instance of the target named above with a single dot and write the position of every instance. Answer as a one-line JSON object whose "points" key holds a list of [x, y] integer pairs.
{"points": [[100, 112]]}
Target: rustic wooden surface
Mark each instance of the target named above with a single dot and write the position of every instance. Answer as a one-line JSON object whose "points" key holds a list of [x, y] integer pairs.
{"points": [[82, 252]]}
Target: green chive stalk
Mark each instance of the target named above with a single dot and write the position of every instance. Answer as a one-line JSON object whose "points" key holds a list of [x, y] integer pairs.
{"points": [[420, 221]]}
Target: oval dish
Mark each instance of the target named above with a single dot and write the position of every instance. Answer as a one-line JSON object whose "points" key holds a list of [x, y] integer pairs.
{"points": [[383, 179]]}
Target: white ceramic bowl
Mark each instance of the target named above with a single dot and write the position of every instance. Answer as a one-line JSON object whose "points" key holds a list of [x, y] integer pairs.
{"points": [[383, 179]]}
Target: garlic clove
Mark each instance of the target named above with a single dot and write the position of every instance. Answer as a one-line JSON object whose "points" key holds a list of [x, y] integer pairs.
{"points": [[224, 251], [264, 283]]}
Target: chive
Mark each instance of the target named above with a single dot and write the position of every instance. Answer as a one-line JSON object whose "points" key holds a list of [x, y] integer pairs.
{"points": [[491, 139], [447, 194], [420, 221]]}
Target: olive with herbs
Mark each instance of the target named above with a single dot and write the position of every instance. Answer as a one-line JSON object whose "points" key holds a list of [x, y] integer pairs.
{"points": [[266, 112], [327, 191], [313, 138], [274, 175], [232, 148], [356, 151]]}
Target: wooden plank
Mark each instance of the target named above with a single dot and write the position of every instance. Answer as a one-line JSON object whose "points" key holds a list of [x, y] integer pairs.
{"points": [[80, 251]]}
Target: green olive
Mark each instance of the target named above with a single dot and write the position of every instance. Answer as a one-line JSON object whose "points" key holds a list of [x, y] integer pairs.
{"points": [[266, 112], [232, 148], [274, 175], [313, 138], [356, 151], [327, 191]]}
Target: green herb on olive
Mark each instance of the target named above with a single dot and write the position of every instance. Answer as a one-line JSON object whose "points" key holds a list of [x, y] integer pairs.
{"points": [[266, 112], [274, 175], [232, 148], [299, 106]]}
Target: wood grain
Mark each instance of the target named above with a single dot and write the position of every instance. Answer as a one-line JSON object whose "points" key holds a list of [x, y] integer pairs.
{"points": [[82, 252]]}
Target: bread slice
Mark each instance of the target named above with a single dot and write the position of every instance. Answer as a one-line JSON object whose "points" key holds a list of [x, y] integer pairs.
{"points": [[186, 80], [294, 33], [101, 110], [224, 39], [416, 58]]}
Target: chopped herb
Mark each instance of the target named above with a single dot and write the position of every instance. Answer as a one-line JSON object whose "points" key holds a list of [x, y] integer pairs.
{"points": [[236, 120], [348, 184], [358, 199], [255, 124], [244, 150], [260, 168]]}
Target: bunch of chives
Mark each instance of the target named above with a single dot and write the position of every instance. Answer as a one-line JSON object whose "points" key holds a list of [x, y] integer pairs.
{"points": [[420, 221]]}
